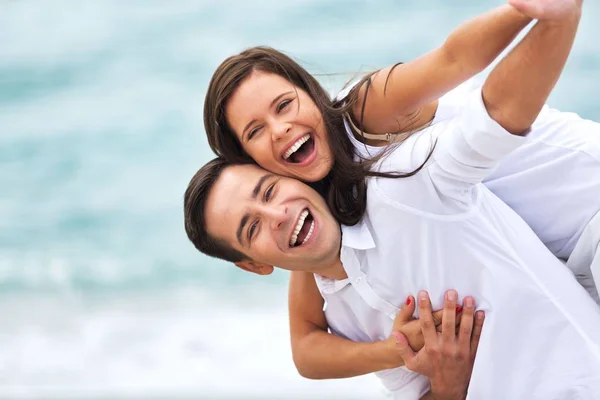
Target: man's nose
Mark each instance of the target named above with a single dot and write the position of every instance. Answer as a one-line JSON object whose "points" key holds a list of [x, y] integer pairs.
{"points": [[276, 215]]}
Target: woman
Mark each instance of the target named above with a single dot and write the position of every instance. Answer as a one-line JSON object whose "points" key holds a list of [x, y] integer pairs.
{"points": [[313, 145]]}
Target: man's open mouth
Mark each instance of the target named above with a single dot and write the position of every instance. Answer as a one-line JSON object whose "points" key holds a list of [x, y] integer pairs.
{"points": [[300, 150], [303, 230]]}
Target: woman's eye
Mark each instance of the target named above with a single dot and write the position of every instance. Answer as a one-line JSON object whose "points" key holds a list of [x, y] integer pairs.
{"points": [[269, 193], [283, 105], [254, 132]]}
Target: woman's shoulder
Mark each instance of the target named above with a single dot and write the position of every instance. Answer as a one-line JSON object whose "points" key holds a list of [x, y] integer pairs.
{"points": [[409, 155], [342, 94]]}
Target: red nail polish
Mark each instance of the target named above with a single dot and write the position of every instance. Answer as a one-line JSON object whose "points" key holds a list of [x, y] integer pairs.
{"points": [[458, 309], [408, 300]]}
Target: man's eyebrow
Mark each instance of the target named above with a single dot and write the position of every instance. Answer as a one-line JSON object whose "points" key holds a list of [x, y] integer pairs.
{"points": [[259, 184], [270, 106], [243, 223], [246, 217]]}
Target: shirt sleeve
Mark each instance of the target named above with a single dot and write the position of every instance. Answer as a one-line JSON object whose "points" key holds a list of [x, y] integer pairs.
{"points": [[472, 147]]}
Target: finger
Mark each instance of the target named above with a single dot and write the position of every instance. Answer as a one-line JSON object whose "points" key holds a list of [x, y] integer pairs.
{"points": [[403, 348], [426, 318], [466, 323], [438, 317], [449, 319], [477, 328], [457, 323], [527, 7], [405, 314], [459, 309], [413, 333]]}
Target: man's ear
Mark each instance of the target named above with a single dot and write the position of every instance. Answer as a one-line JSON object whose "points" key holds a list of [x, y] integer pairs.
{"points": [[255, 267]]}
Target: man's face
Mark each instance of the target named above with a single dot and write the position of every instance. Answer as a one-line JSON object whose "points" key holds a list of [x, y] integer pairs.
{"points": [[273, 220]]}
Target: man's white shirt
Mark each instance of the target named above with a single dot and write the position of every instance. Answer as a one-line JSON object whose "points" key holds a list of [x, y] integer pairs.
{"points": [[443, 229]]}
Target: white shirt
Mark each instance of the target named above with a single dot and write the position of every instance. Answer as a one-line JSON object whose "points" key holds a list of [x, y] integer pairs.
{"points": [[443, 229], [553, 183], [560, 159], [585, 259], [553, 180]]}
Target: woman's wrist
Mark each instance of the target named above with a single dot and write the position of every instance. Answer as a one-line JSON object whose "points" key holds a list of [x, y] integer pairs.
{"points": [[387, 354]]}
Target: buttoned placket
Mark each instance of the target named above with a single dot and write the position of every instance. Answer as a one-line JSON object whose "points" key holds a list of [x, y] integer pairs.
{"points": [[358, 280]]}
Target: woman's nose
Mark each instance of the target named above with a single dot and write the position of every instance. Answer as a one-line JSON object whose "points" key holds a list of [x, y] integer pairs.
{"points": [[280, 130]]}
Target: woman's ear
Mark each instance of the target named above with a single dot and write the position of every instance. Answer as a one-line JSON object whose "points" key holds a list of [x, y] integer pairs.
{"points": [[255, 267]]}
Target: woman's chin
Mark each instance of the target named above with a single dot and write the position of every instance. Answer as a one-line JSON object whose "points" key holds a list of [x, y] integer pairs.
{"points": [[314, 172]]}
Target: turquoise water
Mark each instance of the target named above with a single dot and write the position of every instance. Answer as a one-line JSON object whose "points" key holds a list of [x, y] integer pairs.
{"points": [[100, 131]]}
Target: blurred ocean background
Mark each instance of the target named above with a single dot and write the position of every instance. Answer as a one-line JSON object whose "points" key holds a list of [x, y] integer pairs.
{"points": [[101, 294]]}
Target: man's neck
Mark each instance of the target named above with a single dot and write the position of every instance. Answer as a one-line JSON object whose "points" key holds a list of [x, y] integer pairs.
{"points": [[335, 271]]}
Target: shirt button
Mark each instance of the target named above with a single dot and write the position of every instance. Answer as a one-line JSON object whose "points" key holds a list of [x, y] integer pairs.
{"points": [[358, 279]]}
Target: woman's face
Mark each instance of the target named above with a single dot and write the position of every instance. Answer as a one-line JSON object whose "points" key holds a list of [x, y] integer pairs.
{"points": [[280, 127]]}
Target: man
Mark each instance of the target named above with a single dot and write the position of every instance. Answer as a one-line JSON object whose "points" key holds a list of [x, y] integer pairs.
{"points": [[258, 220], [248, 185], [281, 202]]}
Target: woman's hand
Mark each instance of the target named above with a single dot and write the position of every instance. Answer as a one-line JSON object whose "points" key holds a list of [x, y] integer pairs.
{"points": [[547, 9], [410, 327], [448, 356]]}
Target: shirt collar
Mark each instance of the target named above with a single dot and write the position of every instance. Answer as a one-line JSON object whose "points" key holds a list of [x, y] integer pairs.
{"points": [[328, 285], [355, 237]]}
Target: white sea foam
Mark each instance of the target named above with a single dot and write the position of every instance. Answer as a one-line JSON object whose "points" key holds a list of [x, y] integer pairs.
{"points": [[182, 343]]}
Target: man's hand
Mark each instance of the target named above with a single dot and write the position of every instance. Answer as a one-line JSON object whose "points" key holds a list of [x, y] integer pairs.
{"points": [[410, 327], [547, 9], [447, 357]]}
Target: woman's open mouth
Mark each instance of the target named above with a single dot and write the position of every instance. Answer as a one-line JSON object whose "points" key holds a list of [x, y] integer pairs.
{"points": [[303, 230], [300, 150]]}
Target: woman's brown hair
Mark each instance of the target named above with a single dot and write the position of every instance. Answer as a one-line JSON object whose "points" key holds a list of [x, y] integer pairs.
{"points": [[344, 187]]}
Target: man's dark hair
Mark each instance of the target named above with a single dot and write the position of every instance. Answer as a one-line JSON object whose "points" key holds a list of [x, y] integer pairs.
{"points": [[194, 203]]}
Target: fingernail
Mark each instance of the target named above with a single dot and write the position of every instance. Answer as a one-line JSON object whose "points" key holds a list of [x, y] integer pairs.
{"points": [[451, 295], [408, 300], [469, 302], [423, 295], [479, 315], [458, 309]]}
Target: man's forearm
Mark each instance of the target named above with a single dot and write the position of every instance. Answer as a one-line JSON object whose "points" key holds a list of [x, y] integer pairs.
{"points": [[476, 43], [321, 355], [518, 87]]}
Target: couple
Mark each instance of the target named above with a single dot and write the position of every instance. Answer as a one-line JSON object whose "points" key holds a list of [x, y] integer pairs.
{"points": [[416, 218]]}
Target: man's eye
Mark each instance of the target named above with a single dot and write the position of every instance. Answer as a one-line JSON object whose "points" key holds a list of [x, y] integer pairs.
{"points": [[283, 105], [252, 230], [269, 193], [254, 132]]}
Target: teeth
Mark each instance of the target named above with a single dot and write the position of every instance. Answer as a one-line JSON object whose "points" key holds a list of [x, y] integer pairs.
{"points": [[312, 228], [296, 146], [298, 227]]}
